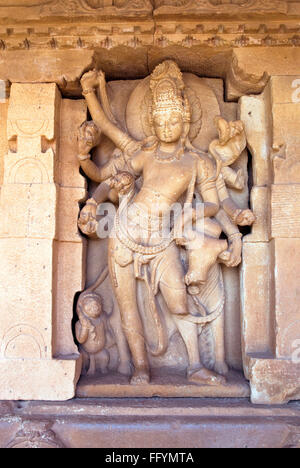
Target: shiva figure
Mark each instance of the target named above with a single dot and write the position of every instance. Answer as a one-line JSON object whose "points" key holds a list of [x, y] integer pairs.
{"points": [[171, 170]]}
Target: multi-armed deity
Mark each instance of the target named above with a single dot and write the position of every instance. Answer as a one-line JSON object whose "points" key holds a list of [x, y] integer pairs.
{"points": [[165, 276]]}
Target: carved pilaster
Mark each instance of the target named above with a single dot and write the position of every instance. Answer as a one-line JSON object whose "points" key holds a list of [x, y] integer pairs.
{"points": [[28, 232], [270, 272]]}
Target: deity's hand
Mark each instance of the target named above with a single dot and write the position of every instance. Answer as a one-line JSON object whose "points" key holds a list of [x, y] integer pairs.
{"points": [[88, 137], [233, 256], [90, 80], [101, 78], [231, 143], [87, 222], [245, 218], [123, 183], [133, 147]]}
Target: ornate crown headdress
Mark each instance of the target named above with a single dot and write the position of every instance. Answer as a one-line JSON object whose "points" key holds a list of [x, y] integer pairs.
{"points": [[167, 88]]}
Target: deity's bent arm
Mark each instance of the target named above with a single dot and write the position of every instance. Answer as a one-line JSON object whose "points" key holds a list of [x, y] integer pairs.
{"points": [[95, 173], [119, 138], [229, 229], [102, 192], [229, 206], [234, 238], [206, 186]]}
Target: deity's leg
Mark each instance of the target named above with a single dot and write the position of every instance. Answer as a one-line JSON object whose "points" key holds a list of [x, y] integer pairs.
{"points": [[189, 334], [219, 337], [124, 353], [124, 283], [173, 289]]}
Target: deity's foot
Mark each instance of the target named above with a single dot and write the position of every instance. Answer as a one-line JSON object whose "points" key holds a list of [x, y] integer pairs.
{"points": [[140, 377], [206, 377]]}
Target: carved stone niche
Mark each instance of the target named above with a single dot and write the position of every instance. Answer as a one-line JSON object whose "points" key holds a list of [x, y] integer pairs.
{"points": [[171, 317], [177, 317]]}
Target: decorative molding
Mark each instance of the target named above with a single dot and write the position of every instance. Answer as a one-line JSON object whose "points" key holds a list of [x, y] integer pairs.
{"points": [[105, 24], [36, 434], [231, 7], [293, 438], [110, 35], [102, 7], [33, 10]]}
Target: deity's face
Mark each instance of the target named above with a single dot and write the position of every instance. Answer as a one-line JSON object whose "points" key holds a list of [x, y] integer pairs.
{"points": [[92, 308], [168, 126]]}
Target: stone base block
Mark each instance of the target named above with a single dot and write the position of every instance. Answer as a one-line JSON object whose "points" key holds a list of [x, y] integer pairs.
{"points": [[274, 381], [26, 379], [149, 423], [162, 385]]}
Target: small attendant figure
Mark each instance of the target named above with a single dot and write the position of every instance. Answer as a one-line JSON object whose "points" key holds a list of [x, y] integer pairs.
{"points": [[91, 331]]}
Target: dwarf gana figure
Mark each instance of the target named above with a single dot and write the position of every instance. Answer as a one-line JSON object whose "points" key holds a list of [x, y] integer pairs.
{"points": [[170, 170], [91, 330]]}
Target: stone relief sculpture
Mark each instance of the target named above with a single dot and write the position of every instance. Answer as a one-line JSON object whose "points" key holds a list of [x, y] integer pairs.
{"points": [[109, 7], [165, 277], [222, 5]]}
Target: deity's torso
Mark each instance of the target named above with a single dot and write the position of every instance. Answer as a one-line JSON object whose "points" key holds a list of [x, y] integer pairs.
{"points": [[165, 180]]}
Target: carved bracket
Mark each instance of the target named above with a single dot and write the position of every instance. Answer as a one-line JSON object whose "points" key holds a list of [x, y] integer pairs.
{"points": [[240, 83]]}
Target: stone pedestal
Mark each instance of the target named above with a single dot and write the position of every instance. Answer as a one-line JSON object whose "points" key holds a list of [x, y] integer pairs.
{"points": [[33, 363], [180, 423]]}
